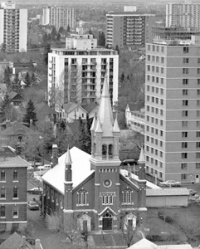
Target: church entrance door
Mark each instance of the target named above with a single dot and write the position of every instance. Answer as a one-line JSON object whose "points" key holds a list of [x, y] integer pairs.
{"points": [[107, 221]]}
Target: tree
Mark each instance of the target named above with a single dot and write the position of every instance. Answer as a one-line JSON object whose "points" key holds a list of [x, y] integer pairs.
{"points": [[47, 49], [33, 78], [53, 33], [102, 39], [117, 48], [16, 86], [30, 114], [27, 80], [84, 141], [6, 102], [7, 75]]}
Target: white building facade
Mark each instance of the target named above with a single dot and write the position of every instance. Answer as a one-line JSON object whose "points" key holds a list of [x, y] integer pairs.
{"points": [[13, 29], [78, 74], [183, 15], [172, 110], [59, 16]]}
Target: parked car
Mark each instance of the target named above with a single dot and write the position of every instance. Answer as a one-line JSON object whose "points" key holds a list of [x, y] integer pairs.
{"points": [[194, 198], [192, 191], [33, 205], [44, 167], [35, 191], [170, 183]]}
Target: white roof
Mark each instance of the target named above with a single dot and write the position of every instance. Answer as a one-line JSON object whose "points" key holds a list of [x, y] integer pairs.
{"points": [[183, 246], [80, 170], [151, 185], [144, 244], [167, 191]]}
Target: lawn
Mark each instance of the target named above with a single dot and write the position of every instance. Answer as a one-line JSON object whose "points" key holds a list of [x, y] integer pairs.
{"points": [[179, 225]]}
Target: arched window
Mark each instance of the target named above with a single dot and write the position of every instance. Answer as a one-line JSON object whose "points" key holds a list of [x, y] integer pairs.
{"points": [[110, 150], [127, 196], [104, 151], [82, 196]]}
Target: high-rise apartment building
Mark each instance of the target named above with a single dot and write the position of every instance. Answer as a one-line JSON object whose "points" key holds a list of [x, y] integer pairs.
{"points": [[59, 16], [77, 75], [172, 110], [13, 28], [128, 30], [183, 15]]}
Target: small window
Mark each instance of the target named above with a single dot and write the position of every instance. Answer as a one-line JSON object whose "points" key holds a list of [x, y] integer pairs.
{"points": [[185, 81], [127, 197], [198, 70], [198, 155], [183, 165], [185, 134], [15, 212], [198, 134], [2, 211], [15, 175], [197, 123], [3, 175], [185, 60], [107, 199], [197, 165], [185, 50], [197, 144], [185, 70], [185, 92], [3, 193], [184, 145], [198, 91], [82, 197], [198, 81], [185, 102], [162, 59], [183, 177], [184, 155], [15, 192]]}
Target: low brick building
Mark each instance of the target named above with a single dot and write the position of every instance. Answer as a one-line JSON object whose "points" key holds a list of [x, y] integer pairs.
{"points": [[13, 190]]}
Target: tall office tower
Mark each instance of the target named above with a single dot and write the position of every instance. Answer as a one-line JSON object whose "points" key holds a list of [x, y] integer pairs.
{"points": [[77, 75], [172, 110], [183, 15], [59, 16], [128, 30], [13, 28]]}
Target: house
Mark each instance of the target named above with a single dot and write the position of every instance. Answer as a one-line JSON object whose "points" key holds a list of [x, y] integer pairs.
{"points": [[3, 90], [13, 187], [135, 119], [72, 111], [146, 244], [13, 133], [90, 190], [16, 241], [15, 98]]}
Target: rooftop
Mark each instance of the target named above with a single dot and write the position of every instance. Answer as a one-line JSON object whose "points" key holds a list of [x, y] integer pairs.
{"points": [[80, 168], [121, 13], [13, 162], [167, 191]]}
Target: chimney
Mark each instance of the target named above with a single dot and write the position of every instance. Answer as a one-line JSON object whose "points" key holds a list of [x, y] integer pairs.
{"points": [[38, 244], [23, 242], [54, 155]]}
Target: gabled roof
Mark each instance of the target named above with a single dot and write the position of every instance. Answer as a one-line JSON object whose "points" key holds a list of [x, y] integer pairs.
{"points": [[17, 128], [70, 106], [144, 244], [14, 241], [80, 170], [12, 95], [91, 107]]}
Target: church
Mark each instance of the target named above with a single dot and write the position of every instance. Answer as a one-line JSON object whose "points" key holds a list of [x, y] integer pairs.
{"points": [[92, 190]]}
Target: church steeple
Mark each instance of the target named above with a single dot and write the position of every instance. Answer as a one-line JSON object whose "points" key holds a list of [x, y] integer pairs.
{"points": [[105, 133], [105, 113]]}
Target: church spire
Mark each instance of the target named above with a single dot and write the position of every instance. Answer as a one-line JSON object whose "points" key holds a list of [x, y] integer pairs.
{"points": [[68, 163], [141, 159], [105, 114]]}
